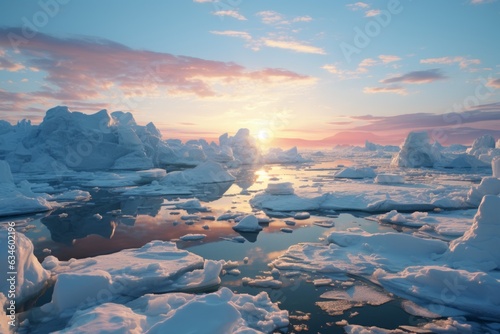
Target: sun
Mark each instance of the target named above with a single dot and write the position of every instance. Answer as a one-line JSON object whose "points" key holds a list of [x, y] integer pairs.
{"points": [[264, 135]]}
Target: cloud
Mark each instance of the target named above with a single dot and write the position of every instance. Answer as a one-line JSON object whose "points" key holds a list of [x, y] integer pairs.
{"points": [[417, 77], [233, 33], [462, 61], [480, 2], [293, 46], [275, 18], [386, 59], [231, 13], [489, 113], [372, 12], [83, 69], [358, 6], [8, 65], [271, 17], [394, 89], [362, 66], [495, 83]]}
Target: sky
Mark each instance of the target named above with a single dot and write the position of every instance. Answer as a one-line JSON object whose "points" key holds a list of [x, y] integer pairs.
{"points": [[293, 72]]}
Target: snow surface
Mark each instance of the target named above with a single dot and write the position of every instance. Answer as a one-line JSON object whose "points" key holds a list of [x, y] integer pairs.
{"points": [[31, 278], [218, 312], [417, 151], [495, 166]]}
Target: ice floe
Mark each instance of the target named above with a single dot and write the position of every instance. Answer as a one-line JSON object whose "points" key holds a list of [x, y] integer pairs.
{"points": [[218, 312], [29, 278], [18, 200]]}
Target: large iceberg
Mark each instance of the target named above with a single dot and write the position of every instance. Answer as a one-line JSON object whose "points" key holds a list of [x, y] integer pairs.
{"points": [[244, 147], [417, 151]]}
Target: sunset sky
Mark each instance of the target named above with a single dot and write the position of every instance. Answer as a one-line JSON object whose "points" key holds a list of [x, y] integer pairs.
{"points": [[284, 69]]}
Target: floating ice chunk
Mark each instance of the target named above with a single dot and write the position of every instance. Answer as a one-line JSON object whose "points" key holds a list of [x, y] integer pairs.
{"points": [[14, 200], [495, 166], [156, 267], [267, 282], [284, 188], [417, 151], [249, 223], [325, 223], [488, 186], [355, 173], [31, 278], [481, 144], [244, 147], [361, 254], [286, 230], [361, 293], [72, 195], [302, 215], [419, 311], [207, 172], [446, 289], [174, 313], [192, 205], [279, 156], [322, 282], [193, 237], [389, 179], [479, 247], [393, 217]]}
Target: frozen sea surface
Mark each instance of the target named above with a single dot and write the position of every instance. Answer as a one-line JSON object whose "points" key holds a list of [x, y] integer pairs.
{"points": [[123, 212]]}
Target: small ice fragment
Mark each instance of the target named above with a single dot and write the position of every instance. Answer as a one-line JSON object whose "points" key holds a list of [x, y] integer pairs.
{"points": [[302, 215], [192, 237]]}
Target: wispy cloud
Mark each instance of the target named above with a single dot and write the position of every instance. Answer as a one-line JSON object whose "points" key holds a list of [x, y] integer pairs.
{"points": [[480, 2], [417, 77], [372, 12], [305, 18], [274, 18], [8, 65], [463, 62], [386, 59], [231, 13], [362, 68], [293, 46], [88, 69], [233, 33], [358, 6], [495, 83], [393, 89]]}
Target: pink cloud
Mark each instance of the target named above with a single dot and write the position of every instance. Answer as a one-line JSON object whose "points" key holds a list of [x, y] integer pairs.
{"points": [[394, 89], [495, 83], [80, 69]]}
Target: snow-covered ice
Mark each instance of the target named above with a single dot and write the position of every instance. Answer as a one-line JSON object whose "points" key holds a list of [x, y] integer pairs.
{"points": [[218, 312], [479, 247], [356, 173], [156, 267]]}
